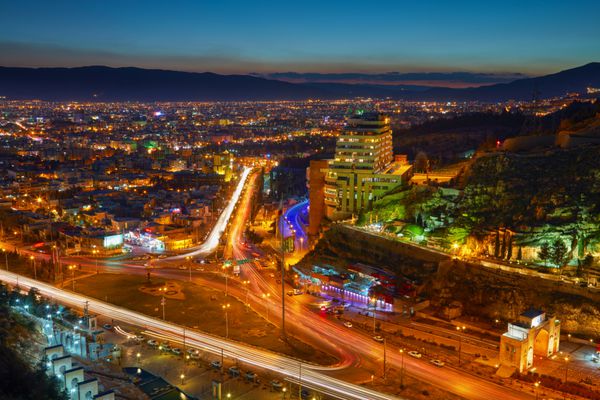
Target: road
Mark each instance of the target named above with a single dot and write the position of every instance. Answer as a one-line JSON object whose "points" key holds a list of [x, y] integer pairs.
{"points": [[357, 350], [212, 240], [312, 374], [293, 223]]}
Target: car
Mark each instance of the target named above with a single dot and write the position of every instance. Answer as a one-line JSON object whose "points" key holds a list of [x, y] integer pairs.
{"points": [[216, 364], [164, 346], [415, 354], [272, 275], [108, 327], [234, 371], [139, 338], [437, 363], [378, 338], [182, 267], [201, 269], [290, 293], [176, 350], [297, 292], [195, 356], [152, 343], [348, 324], [277, 385], [162, 256], [251, 376]]}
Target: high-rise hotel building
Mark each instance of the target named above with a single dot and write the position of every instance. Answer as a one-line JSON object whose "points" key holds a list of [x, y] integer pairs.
{"points": [[364, 168]]}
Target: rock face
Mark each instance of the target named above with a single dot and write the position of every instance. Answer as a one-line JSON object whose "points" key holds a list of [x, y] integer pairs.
{"points": [[482, 291], [341, 246], [504, 295]]}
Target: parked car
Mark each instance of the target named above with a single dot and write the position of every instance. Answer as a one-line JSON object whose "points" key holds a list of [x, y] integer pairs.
{"points": [[152, 343], [348, 324], [139, 338], [437, 363], [415, 354], [276, 385], [234, 371], [216, 364], [378, 338], [108, 327], [250, 376]]}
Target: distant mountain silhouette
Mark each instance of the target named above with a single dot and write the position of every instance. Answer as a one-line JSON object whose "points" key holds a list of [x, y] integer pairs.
{"points": [[98, 83]]}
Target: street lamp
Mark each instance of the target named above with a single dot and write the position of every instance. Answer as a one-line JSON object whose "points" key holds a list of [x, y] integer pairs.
{"points": [[566, 369], [95, 254], [163, 301], [189, 260], [32, 258], [246, 283], [460, 329], [537, 386], [72, 269], [226, 309], [401, 368], [266, 296], [374, 301], [283, 392], [137, 356], [182, 376]]}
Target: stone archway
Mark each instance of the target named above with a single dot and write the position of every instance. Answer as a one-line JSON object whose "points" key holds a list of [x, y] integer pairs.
{"points": [[542, 343]]}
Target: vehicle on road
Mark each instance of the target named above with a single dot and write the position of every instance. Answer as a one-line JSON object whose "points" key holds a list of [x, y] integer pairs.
{"points": [[290, 293], [348, 324], [298, 292], [182, 267], [176, 350], [165, 346], [216, 364], [378, 338], [139, 338], [152, 343], [108, 327], [415, 354], [250, 376], [276, 385], [437, 363], [234, 371]]}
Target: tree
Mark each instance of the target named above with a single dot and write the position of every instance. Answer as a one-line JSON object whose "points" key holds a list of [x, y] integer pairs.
{"points": [[584, 265], [421, 162], [544, 253], [558, 254]]}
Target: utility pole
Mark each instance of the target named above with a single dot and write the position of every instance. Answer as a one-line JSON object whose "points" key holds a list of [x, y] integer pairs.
{"points": [[279, 224], [384, 358]]}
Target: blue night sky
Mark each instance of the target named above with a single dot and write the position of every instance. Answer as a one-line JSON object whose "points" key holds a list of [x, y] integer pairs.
{"points": [[532, 37]]}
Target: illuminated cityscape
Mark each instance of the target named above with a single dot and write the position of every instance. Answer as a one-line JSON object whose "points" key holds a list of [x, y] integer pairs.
{"points": [[261, 202]]}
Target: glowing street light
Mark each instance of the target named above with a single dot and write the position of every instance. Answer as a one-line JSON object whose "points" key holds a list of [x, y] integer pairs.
{"points": [[226, 309], [460, 329]]}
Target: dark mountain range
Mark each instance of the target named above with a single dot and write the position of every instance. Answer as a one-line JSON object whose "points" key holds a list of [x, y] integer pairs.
{"points": [[136, 84], [98, 83]]}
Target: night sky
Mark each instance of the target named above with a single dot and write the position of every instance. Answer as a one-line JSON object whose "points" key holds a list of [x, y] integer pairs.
{"points": [[532, 37]]}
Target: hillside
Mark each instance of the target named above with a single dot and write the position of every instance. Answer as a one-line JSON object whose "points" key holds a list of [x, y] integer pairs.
{"points": [[98, 83]]}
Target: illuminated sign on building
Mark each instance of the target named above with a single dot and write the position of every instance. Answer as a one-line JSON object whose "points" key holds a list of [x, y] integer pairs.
{"points": [[113, 241]]}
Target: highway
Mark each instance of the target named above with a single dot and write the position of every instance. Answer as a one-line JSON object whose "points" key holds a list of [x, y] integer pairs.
{"points": [[212, 240], [312, 374], [357, 351]]}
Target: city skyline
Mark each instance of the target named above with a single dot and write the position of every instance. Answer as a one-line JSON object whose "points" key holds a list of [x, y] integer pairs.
{"points": [[244, 38]]}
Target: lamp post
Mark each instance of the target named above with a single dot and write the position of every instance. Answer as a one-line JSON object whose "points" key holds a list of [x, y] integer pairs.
{"points": [[374, 301], [182, 376], [72, 269], [163, 301], [137, 357], [32, 258], [460, 329], [283, 392], [401, 368], [537, 386], [226, 280], [226, 309], [189, 260], [5, 257], [246, 284], [266, 297], [95, 253]]}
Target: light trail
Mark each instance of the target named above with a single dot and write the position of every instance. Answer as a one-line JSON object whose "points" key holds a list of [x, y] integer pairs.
{"points": [[251, 355], [212, 241]]}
